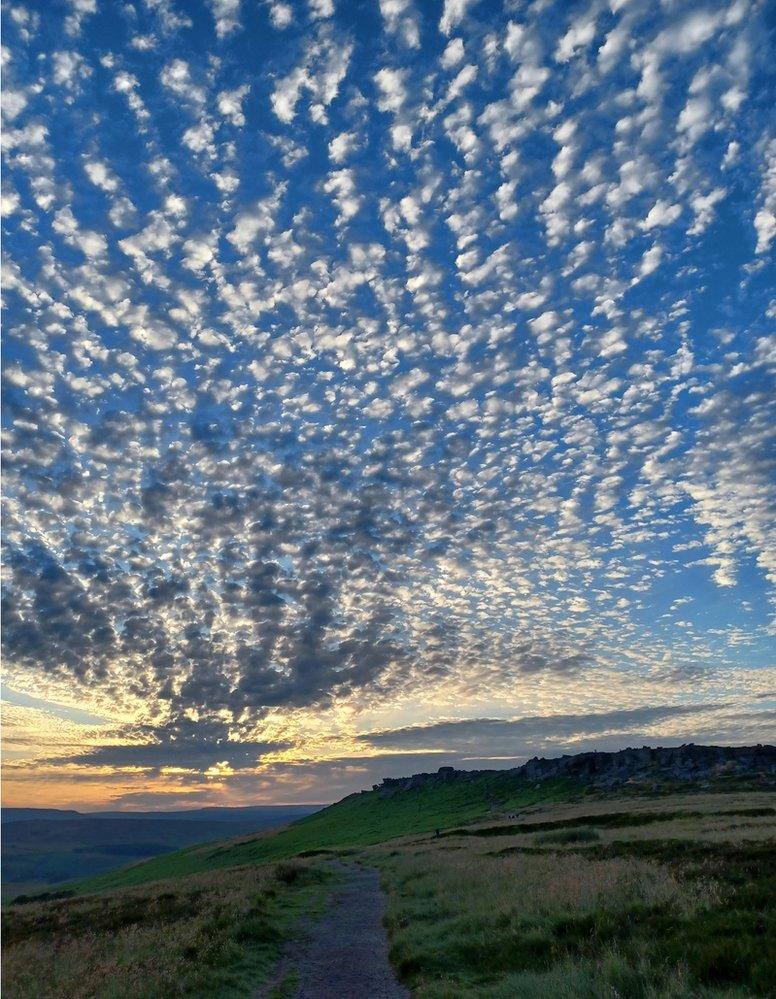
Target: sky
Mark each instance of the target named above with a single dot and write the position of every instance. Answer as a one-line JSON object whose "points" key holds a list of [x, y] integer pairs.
{"points": [[388, 384]]}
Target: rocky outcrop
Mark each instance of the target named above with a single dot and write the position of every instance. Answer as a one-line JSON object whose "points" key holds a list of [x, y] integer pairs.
{"points": [[604, 770], [676, 763], [440, 776]]}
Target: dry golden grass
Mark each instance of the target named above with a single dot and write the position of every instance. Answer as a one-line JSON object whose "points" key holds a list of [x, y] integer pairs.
{"points": [[654, 910], [472, 880], [180, 937], [713, 830]]}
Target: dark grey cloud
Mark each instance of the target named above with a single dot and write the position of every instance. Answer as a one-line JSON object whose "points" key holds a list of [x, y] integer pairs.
{"points": [[280, 561], [518, 736], [193, 753]]}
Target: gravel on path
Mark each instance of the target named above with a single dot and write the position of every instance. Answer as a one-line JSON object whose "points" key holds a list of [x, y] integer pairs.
{"points": [[344, 955]]}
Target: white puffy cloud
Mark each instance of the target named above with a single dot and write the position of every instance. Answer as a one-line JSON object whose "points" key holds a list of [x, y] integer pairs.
{"points": [[69, 69], [649, 262], [101, 175], [579, 36], [453, 13], [229, 103], [199, 138], [453, 53], [226, 14], [281, 14], [80, 10], [320, 9], [320, 73], [92, 244], [393, 88], [703, 206], [342, 145], [765, 217], [401, 21], [341, 185], [255, 221], [661, 214]]}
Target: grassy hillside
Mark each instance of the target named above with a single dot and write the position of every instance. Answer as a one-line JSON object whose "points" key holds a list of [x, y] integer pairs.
{"points": [[659, 896], [356, 821], [39, 851], [54, 851]]}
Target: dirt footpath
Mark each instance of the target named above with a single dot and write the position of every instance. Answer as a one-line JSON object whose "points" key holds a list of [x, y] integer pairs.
{"points": [[344, 955]]}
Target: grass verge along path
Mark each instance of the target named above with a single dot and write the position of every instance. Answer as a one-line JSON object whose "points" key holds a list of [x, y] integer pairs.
{"points": [[668, 909], [209, 935]]}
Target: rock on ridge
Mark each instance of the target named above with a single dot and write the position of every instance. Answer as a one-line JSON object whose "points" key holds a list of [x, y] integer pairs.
{"points": [[678, 763]]}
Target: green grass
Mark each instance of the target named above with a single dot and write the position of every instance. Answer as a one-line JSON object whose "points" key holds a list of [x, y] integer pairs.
{"points": [[357, 821], [564, 914], [733, 942], [616, 820]]}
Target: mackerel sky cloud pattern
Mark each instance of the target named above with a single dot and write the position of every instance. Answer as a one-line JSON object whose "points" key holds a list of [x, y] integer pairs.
{"points": [[380, 365]]}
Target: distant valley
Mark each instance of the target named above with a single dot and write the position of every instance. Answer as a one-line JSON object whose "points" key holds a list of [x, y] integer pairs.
{"points": [[42, 847]]}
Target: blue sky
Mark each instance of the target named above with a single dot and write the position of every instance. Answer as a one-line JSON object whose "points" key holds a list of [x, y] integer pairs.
{"points": [[376, 372]]}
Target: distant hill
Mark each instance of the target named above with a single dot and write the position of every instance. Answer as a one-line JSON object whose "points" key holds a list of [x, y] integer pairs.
{"points": [[262, 813], [42, 847], [22, 814]]}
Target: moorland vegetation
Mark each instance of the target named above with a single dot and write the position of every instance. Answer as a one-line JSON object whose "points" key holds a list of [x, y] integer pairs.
{"points": [[496, 887]]}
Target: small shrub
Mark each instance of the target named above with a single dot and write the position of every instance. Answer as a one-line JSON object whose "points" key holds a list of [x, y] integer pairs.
{"points": [[289, 871], [582, 835]]}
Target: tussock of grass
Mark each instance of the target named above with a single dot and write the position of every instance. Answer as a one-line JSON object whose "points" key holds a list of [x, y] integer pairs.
{"points": [[609, 977], [204, 935], [290, 871]]}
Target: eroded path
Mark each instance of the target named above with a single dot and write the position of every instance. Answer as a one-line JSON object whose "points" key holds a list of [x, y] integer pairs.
{"points": [[344, 955]]}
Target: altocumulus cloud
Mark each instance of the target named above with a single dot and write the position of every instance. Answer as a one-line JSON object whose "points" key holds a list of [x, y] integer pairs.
{"points": [[355, 353]]}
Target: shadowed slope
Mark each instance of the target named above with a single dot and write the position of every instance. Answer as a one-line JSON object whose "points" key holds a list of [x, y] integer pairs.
{"points": [[358, 820]]}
